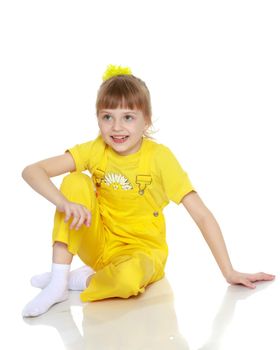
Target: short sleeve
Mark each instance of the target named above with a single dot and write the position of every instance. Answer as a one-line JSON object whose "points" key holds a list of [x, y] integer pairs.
{"points": [[87, 154], [175, 180]]}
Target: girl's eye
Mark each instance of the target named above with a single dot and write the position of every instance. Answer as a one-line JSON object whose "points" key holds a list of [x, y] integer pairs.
{"points": [[106, 117], [128, 117]]}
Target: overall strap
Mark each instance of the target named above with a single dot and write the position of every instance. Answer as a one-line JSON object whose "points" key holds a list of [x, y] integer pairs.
{"points": [[144, 177], [99, 172]]}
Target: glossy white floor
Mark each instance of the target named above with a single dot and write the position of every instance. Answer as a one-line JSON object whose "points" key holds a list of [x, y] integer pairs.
{"points": [[191, 308], [161, 319]]}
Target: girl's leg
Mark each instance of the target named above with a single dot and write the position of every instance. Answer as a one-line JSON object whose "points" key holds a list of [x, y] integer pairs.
{"points": [[57, 290], [76, 187], [87, 243], [61, 255], [125, 276]]}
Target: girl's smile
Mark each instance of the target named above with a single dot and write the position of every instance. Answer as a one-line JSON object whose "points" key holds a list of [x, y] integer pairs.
{"points": [[119, 139]]}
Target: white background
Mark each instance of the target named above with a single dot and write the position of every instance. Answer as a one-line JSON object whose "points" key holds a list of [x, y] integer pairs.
{"points": [[213, 71]]}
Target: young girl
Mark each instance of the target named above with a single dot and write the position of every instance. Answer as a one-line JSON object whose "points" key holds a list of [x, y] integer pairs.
{"points": [[114, 220]]}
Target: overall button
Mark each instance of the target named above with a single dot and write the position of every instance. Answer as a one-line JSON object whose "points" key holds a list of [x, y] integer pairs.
{"points": [[141, 192], [155, 213]]}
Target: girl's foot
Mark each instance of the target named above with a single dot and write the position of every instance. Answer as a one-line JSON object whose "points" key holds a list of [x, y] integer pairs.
{"points": [[77, 279], [55, 292]]}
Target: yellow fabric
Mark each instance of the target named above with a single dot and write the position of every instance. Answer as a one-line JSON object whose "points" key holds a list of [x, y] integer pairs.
{"points": [[126, 243]]}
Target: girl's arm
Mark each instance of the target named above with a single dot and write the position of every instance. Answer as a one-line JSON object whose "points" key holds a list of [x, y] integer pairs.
{"points": [[38, 176], [211, 232]]}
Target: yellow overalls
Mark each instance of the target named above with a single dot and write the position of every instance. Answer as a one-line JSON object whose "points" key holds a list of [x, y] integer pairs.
{"points": [[127, 254]]}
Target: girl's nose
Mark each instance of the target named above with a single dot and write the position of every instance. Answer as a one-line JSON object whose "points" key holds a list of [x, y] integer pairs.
{"points": [[117, 125]]}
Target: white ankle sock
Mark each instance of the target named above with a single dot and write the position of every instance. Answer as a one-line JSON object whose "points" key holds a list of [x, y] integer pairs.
{"points": [[77, 278], [55, 292]]}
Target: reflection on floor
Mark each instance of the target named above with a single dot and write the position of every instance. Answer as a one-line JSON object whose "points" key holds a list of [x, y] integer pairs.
{"points": [[146, 322]]}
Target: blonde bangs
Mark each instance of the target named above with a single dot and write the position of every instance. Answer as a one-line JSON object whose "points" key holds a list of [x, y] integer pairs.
{"points": [[124, 91]]}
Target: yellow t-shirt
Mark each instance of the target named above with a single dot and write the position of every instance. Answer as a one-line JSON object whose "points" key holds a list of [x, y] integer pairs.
{"points": [[169, 180]]}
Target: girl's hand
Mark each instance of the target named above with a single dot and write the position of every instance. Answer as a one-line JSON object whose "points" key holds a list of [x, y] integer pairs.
{"points": [[81, 215], [247, 279]]}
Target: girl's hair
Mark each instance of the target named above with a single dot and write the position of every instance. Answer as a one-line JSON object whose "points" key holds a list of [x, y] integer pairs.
{"points": [[125, 91]]}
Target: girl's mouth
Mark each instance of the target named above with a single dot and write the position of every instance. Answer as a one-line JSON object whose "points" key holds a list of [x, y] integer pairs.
{"points": [[119, 139]]}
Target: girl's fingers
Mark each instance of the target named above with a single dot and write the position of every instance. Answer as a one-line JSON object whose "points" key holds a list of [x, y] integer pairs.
{"points": [[81, 221], [74, 221], [245, 281], [269, 277], [248, 284], [88, 218], [76, 217], [248, 279], [261, 276], [80, 214], [67, 215], [79, 224], [82, 218]]}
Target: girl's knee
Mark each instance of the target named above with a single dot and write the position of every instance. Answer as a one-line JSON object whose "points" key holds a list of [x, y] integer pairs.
{"points": [[75, 180], [76, 186], [134, 275]]}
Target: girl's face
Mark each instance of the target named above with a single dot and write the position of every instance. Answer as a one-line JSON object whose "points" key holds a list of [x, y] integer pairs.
{"points": [[122, 129]]}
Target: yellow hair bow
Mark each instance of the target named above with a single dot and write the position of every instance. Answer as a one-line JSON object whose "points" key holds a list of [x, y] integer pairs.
{"points": [[112, 71]]}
